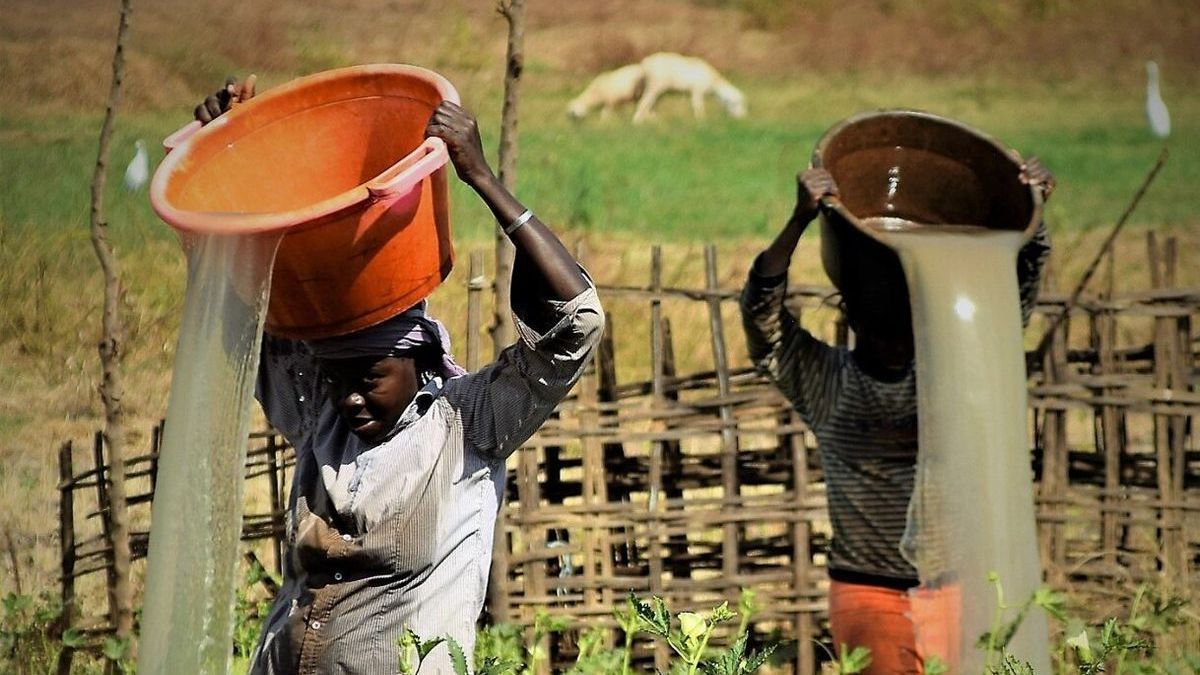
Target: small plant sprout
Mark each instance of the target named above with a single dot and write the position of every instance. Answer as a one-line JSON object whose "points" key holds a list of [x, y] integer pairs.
{"points": [[747, 607], [413, 651], [690, 641], [736, 660], [593, 658], [1081, 645], [852, 661], [935, 666], [630, 623], [994, 643], [543, 625]]}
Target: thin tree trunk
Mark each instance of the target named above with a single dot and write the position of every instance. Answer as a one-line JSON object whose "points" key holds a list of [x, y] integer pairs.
{"points": [[13, 561], [502, 330], [513, 12], [111, 343]]}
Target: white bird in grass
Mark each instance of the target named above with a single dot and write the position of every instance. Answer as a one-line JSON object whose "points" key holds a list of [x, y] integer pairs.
{"points": [[1156, 109], [138, 171]]}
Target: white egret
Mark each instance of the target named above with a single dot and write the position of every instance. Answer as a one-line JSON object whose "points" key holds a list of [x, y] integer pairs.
{"points": [[1156, 108], [138, 171]]}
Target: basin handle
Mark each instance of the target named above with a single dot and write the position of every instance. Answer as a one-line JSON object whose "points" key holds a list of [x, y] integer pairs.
{"points": [[181, 135], [829, 202], [400, 178]]}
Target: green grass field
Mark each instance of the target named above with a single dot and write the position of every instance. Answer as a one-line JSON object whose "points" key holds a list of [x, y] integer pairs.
{"points": [[676, 179]]}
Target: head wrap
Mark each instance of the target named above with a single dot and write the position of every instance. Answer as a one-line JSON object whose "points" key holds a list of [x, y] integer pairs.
{"points": [[411, 330]]}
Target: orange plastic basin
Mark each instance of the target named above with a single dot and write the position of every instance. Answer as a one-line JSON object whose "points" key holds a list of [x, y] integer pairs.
{"points": [[340, 163]]}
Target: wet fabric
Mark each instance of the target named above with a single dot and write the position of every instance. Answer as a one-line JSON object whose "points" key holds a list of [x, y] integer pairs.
{"points": [[876, 618], [883, 620], [399, 533]]}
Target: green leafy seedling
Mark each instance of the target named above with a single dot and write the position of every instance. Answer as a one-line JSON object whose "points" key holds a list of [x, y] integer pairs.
{"points": [[735, 660], [458, 660], [851, 661]]}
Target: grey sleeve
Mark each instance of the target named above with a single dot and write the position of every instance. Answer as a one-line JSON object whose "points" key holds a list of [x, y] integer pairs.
{"points": [[804, 368], [1031, 262], [289, 387], [505, 402]]}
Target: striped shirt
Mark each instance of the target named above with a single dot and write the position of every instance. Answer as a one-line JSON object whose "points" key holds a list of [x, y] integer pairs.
{"points": [[399, 533], [866, 428]]}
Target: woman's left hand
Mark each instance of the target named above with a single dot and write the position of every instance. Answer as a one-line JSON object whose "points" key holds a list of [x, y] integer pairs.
{"points": [[221, 101], [458, 128], [1036, 173]]}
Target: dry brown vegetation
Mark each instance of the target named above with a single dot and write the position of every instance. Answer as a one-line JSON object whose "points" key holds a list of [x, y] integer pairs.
{"points": [[55, 52]]}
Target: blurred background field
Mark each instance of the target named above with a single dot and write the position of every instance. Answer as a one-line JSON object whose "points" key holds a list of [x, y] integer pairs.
{"points": [[1063, 80]]}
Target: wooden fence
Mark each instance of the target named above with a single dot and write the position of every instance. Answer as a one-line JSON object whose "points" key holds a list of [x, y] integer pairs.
{"points": [[689, 477], [85, 543]]}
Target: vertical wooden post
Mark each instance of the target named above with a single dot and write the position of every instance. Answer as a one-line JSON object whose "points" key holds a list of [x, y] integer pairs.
{"points": [[66, 547], [609, 457], [1169, 373], [155, 448], [1110, 427], [513, 12], [476, 282], [801, 555], [534, 536], [606, 391], [102, 507], [658, 390], [730, 555], [672, 460], [613, 452], [277, 505], [1182, 369], [594, 489], [1054, 450], [1163, 335], [1180, 343], [111, 345]]}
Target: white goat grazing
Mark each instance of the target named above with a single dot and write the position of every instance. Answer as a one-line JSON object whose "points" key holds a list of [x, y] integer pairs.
{"points": [[608, 91], [665, 72]]}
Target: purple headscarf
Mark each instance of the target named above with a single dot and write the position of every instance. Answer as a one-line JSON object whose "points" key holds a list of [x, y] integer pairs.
{"points": [[410, 330]]}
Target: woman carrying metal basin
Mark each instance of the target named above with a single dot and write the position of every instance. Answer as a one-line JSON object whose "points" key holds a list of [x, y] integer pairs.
{"points": [[400, 452], [862, 403]]}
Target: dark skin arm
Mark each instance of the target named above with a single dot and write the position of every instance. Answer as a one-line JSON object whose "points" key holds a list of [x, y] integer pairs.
{"points": [[538, 249], [811, 185], [221, 101]]}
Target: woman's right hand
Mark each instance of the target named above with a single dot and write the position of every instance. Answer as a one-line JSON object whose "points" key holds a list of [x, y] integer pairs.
{"points": [[220, 101], [459, 129], [811, 186]]}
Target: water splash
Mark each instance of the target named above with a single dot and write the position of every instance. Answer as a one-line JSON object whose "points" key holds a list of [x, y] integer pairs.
{"points": [[197, 514], [972, 510]]}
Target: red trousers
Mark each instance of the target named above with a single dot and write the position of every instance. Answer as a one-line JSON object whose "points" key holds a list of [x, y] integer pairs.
{"points": [[882, 620]]}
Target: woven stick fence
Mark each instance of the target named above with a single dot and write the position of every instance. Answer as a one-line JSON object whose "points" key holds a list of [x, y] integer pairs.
{"points": [[694, 484], [676, 470], [85, 544]]}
